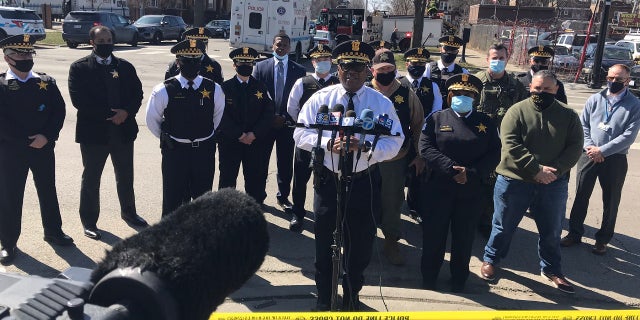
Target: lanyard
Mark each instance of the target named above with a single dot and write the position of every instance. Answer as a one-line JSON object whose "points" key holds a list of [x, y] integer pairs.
{"points": [[607, 115]]}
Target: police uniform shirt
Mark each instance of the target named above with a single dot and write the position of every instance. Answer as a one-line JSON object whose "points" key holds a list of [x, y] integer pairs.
{"points": [[387, 146], [293, 104], [160, 99], [437, 99], [427, 71], [103, 61]]}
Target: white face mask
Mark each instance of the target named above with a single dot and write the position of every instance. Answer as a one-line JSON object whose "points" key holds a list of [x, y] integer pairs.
{"points": [[323, 66]]}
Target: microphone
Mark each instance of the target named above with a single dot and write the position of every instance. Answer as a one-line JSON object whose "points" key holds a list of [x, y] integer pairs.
{"points": [[200, 253], [366, 120], [322, 118], [349, 120], [382, 123], [336, 112]]}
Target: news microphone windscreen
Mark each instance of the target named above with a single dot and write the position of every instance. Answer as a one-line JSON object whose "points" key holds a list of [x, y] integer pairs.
{"points": [[350, 114], [203, 251], [338, 108], [323, 109], [367, 119]]}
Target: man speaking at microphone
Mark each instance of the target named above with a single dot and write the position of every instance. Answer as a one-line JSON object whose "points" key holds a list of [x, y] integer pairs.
{"points": [[363, 200]]}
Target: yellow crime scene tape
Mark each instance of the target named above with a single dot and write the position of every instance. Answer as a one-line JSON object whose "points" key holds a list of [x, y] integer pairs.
{"points": [[437, 315]]}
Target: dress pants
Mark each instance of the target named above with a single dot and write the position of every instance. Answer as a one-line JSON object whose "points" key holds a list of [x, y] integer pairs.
{"points": [[186, 168], [285, 145], [393, 174], [359, 229], [231, 155], [301, 175], [454, 206], [94, 157], [15, 163], [611, 174]]}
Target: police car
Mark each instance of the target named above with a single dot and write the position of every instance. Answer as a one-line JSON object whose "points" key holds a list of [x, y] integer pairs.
{"points": [[14, 21]]}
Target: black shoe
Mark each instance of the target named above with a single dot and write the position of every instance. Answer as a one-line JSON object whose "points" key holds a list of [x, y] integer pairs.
{"points": [[285, 204], [351, 304], [135, 220], [322, 307], [61, 240], [296, 224], [7, 255], [92, 233]]}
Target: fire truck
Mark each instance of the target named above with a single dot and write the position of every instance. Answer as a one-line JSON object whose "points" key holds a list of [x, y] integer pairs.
{"points": [[337, 25]]}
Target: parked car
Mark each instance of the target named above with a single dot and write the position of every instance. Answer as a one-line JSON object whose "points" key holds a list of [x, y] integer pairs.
{"points": [[76, 26], [611, 55], [15, 21], [324, 37], [156, 28], [563, 59], [219, 28], [634, 83], [633, 46], [574, 42]]}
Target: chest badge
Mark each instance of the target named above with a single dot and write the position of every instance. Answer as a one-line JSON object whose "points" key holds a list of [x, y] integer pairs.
{"points": [[425, 89], [398, 99], [115, 74], [258, 95], [445, 128], [209, 68], [481, 128], [42, 85], [205, 93]]}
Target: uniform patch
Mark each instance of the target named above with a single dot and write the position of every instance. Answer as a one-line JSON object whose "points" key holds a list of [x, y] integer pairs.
{"points": [[205, 93], [209, 68], [41, 107], [445, 128], [481, 128], [43, 85], [13, 85], [425, 89], [115, 74], [398, 99], [258, 95]]}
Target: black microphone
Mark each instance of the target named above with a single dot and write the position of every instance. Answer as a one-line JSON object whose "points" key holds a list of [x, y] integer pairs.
{"points": [[322, 118], [367, 124], [338, 108], [382, 123], [200, 253]]}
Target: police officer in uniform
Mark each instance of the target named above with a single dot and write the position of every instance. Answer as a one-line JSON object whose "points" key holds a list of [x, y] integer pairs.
{"points": [[393, 171], [379, 44], [500, 90], [32, 112], [462, 147], [300, 93], [209, 68], [540, 59], [243, 133], [183, 112], [439, 71], [364, 200], [428, 92]]}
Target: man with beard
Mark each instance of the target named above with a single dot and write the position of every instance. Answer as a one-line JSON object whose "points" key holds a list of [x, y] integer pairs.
{"points": [[440, 71], [540, 59], [107, 92]]}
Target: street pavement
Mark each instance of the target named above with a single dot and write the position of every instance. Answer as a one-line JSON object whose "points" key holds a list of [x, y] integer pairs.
{"points": [[285, 280]]}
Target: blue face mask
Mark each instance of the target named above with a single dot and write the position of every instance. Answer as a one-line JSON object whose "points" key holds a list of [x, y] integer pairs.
{"points": [[278, 56], [497, 66], [461, 104], [323, 66]]}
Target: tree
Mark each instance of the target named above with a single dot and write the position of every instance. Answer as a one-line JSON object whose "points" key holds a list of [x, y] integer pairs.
{"points": [[418, 21], [400, 7]]}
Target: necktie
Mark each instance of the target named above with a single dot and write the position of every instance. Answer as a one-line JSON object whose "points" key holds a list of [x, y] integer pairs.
{"points": [[350, 105], [349, 156], [279, 86], [322, 82], [415, 84], [190, 85]]}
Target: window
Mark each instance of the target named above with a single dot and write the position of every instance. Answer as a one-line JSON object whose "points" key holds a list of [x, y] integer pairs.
{"points": [[255, 20]]}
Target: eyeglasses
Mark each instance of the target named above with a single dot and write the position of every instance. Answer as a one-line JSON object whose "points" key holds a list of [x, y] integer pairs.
{"points": [[353, 67], [614, 79]]}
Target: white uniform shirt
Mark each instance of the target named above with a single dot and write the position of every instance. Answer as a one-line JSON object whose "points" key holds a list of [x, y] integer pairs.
{"points": [[437, 98], [366, 97], [427, 71], [160, 99], [293, 104], [10, 75]]}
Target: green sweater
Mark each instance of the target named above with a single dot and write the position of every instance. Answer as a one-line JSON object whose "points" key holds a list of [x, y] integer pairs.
{"points": [[532, 138]]}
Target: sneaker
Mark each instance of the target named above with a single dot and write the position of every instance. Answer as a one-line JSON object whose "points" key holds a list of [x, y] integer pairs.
{"points": [[559, 282]]}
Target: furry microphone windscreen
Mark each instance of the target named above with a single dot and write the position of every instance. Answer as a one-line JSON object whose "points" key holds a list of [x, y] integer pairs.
{"points": [[203, 251]]}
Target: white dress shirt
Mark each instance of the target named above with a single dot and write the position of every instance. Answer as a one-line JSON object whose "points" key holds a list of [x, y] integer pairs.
{"points": [[285, 62], [103, 61], [366, 97], [293, 104], [427, 71], [437, 98], [159, 100], [11, 75]]}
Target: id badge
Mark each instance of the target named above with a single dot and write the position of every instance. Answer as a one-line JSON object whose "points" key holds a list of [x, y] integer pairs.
{"points": [[604, 127]]}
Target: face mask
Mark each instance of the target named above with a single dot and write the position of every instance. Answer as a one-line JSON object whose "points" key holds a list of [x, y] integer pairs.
{"points": [[461, 104], [23, 65], [448, 57], [279, 57], [244, 70], [536, 67], [103, 50], [323, 67], [497, 66], [542, 99], [385, 79], [189, 69], [615, 87], [416, 72]]}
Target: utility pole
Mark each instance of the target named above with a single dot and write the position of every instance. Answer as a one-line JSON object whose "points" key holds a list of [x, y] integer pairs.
{"points": [[596, 82]]}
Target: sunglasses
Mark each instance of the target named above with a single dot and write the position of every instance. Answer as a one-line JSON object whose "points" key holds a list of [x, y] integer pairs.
{"points": [[614, 79], [541, 61], [353, 67]]}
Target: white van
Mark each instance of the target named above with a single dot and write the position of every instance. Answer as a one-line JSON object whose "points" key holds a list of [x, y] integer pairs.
{"points": [[574, 42]]}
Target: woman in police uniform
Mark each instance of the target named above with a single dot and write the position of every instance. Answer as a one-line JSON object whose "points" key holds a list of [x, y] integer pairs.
{"points": [[462, 147]]}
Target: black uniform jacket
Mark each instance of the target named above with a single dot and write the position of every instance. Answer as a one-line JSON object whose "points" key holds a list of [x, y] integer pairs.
{"points": [[89, 94]]}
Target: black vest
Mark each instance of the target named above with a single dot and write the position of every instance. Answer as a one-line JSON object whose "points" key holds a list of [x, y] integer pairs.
{"points": [[440, 77], [424, 92], [189, 113], [310, 86], [34, 99], [400, 100]]}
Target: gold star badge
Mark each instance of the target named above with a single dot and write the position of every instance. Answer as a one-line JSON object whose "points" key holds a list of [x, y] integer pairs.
{"points": [[43, 85], [258, 94], [205, 93], [209, 68], [115, 74], [425, 88], [481, 128], [398, 99]]}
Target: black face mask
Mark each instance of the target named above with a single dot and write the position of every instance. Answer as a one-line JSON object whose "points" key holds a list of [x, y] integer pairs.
{"points": [[448, 57], [385, 79], [103, 50], [542, 99], [244, 70], [23, 65], [416, 72], [189, 69], [615, 87], [536, 67]]}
